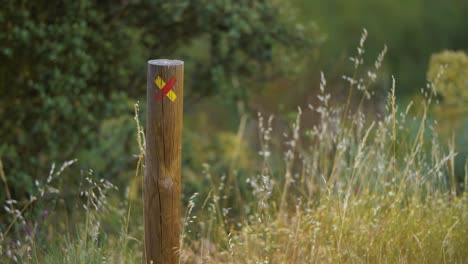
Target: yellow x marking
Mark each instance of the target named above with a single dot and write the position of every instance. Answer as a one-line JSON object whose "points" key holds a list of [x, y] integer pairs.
{"points": [[160, 83]]}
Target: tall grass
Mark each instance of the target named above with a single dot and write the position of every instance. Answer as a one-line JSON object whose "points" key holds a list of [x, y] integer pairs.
{"points": [[354, 188]]}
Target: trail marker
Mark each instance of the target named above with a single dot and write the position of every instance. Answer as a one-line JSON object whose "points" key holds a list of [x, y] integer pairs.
{"points": [[165, 88], [162, 181]]}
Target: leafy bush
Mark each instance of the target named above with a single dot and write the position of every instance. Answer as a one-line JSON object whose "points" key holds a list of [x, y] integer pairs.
{"points": [[62, 73], [69, 66], [448, 71]]}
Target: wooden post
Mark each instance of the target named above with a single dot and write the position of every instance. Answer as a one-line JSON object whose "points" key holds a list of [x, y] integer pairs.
{"points": [[162, 184]]}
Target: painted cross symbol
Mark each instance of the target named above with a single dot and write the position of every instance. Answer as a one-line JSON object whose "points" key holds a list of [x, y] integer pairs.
{"points": [[165, 88]]}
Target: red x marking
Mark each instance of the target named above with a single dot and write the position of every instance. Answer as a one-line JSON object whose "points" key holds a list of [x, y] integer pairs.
{"points": [[166, 89]]}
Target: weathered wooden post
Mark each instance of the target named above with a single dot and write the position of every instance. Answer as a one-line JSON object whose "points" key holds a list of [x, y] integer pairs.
{"points": [[162, 184]]}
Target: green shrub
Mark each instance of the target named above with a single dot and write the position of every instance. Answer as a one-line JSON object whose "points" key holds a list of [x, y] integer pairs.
{"points": [[448, 71], [71, 68]]}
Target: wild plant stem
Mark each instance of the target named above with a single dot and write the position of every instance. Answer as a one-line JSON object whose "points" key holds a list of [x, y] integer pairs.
{"points": [[16, 218]]}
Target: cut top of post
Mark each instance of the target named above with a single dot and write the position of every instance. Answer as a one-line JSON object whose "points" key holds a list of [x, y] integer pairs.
{"points": [[164, 62]]}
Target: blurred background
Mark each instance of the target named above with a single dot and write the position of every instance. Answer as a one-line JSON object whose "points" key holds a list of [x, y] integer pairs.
{"points": [[72, 71]]}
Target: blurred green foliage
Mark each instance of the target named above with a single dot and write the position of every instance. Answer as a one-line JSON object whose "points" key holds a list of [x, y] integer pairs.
{"points": [[61, 73], [448, 71], [71, 71], [412, 30]]}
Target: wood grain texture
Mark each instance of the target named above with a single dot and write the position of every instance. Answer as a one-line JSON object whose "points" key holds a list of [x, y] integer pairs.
{"points": [[162, 182]]}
